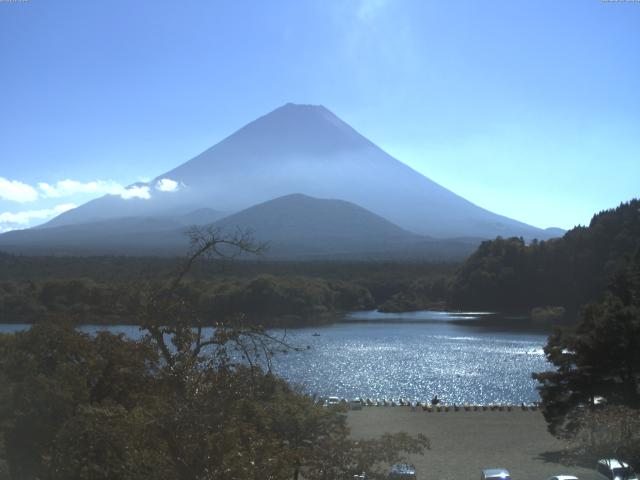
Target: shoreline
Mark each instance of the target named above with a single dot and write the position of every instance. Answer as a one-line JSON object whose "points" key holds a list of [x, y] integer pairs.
{"points": [[486, 321]]}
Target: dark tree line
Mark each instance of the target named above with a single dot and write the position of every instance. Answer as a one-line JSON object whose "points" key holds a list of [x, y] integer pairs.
{"points": [[508, 274], [107, 290], [265, 299]]}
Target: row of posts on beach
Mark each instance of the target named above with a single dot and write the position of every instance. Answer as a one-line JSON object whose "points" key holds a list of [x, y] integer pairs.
{"points": [[436, 405]]}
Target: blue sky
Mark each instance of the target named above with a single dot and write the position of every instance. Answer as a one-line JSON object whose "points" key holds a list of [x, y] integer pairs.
{"points": [[529, 109]]}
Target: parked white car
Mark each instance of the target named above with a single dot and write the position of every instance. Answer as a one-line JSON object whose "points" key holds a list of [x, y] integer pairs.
{"points": [[615, 469], [331, 401]]}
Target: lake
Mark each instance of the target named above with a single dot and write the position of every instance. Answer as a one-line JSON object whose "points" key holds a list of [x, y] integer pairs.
{"points": [[410, 355]]}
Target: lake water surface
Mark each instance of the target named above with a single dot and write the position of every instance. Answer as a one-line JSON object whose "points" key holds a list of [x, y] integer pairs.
{"points": [[410, 355]]}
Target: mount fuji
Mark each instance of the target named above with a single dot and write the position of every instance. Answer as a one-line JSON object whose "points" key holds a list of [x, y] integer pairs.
{"points": [[295, 149]]}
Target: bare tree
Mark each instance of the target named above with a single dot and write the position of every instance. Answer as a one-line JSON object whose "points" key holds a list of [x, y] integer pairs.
{"points": [[177, 325]]}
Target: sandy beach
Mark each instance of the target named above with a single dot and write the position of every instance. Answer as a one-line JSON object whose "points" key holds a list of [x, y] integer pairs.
{"points": [[463, 443]]}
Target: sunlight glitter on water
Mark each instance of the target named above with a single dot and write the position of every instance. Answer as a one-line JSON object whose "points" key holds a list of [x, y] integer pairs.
{"points": [[384, 359]]}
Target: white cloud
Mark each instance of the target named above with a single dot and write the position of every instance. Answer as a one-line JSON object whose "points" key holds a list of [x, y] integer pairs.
{"points": [[68, 187], [17, 191], [25, 217], [21, 192], [136, 192], [167, 185]]}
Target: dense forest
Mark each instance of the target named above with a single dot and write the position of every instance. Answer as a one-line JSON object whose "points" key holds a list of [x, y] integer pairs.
{"points": [[509, 274], [550, 279], [110, 290]]}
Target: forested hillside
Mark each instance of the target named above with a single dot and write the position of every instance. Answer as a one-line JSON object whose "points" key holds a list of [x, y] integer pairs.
{"points": [[508, 274]]}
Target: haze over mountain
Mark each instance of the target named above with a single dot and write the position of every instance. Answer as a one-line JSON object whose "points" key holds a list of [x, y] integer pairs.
{"points": [[304, 227], [263, 178], [294, 227], [134, 235]]}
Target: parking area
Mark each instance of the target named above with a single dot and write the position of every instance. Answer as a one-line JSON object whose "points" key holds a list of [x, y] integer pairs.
{"points": [[464, 443]]}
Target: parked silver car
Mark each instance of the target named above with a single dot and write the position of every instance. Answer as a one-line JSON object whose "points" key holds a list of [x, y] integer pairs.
{"points": [[495, 474], [402, 471]]}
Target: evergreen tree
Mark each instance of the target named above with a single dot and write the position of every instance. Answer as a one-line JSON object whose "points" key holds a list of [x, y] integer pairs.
{"points": [[508, 274], [600, 357]]}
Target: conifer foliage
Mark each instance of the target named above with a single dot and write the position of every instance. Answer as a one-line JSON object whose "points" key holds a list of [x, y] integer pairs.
{"points": [[598, 360]]}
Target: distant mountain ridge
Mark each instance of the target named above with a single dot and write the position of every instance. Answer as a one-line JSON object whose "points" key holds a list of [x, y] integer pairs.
{"points": [[300, 216], [301, 225], [293, 227]]}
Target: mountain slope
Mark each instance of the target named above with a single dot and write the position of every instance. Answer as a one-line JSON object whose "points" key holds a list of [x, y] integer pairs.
{"points": [[126, 235], [298, 224], [294, 227], [307, 149]]}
